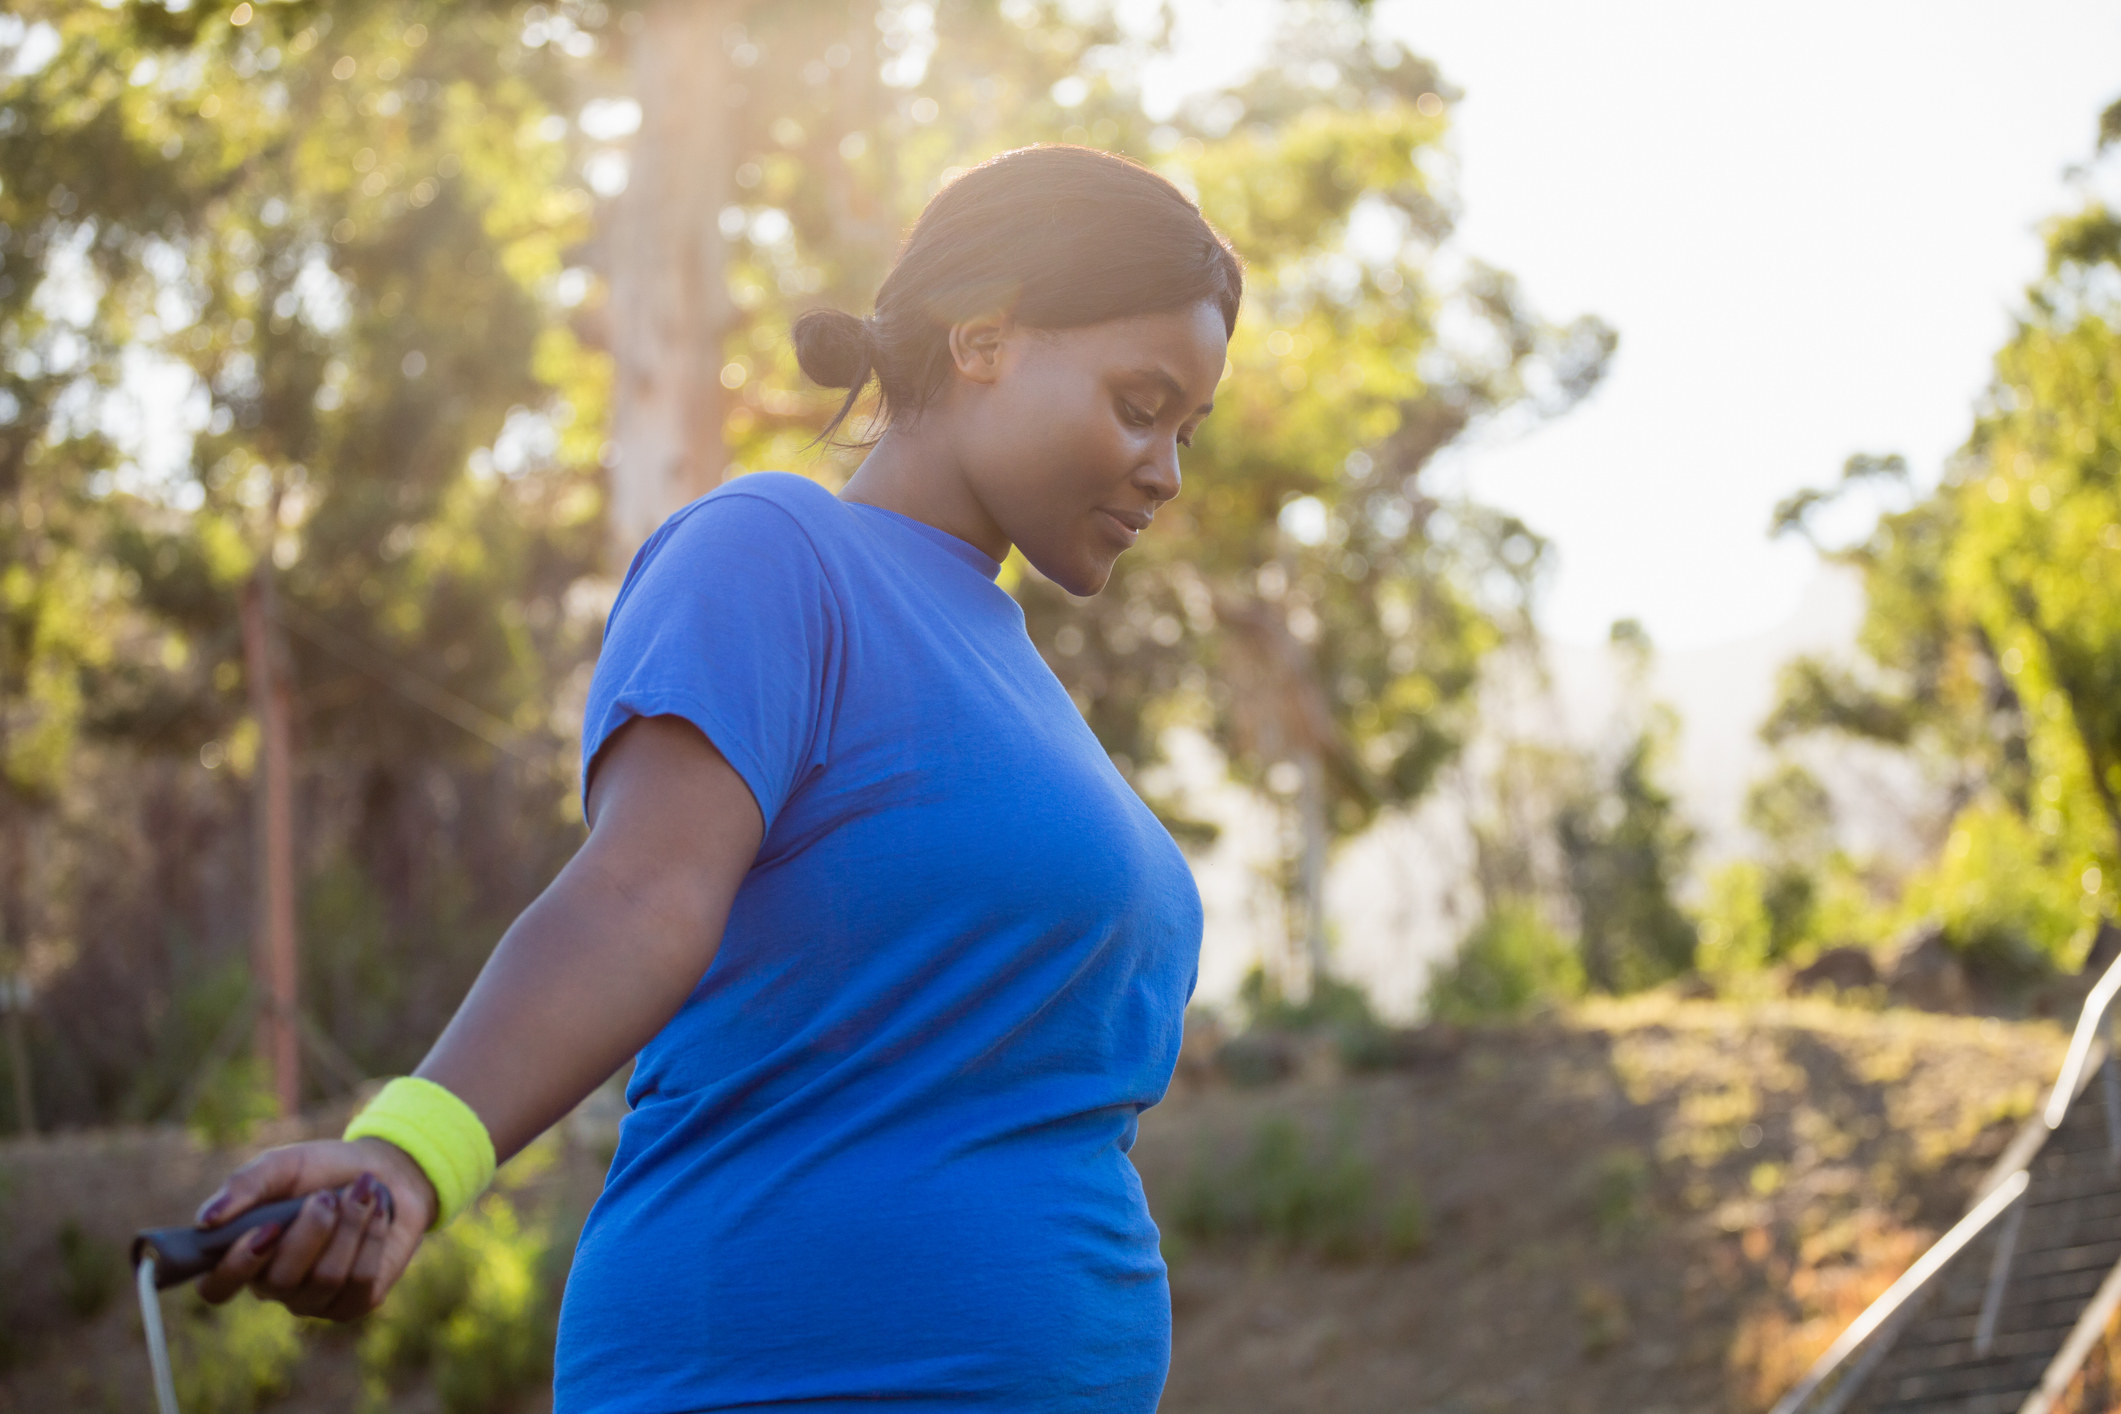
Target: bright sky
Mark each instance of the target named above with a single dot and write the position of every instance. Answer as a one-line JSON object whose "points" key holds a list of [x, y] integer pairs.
{"points": [[1809, 222]]}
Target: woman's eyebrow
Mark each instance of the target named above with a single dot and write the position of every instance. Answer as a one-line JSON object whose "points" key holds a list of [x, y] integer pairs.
{"points": [[1171, 386]]}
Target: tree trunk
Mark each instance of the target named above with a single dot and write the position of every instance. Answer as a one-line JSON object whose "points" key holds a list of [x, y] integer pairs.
{"points": [[1309, 960], [273, 940], [670, 305], [16, 998], [14, 943]]}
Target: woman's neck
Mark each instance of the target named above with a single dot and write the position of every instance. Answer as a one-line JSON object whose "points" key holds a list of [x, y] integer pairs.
{"points": [[919, 476]]}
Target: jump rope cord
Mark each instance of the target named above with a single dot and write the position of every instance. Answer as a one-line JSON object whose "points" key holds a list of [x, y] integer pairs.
{"points": [[157, 1342]]}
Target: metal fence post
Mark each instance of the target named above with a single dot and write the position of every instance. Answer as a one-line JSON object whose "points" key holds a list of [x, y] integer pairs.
{"points": [[1999, 1276]]}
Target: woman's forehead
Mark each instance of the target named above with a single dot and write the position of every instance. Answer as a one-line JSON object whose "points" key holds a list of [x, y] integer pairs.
{"points": [[1184, 346]]}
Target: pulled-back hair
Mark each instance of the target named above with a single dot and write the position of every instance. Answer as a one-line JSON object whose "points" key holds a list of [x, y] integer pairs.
{"points": [[1058, 237]]}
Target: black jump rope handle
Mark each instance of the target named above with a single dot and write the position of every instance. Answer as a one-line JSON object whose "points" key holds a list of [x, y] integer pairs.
{"points": [[182, 1253]]}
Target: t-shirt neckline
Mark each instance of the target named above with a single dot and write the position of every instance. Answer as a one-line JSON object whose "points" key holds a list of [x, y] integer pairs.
{"points": [[963, 549]]}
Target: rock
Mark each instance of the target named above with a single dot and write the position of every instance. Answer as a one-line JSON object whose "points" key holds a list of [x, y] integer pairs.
{"points": [[1922, 971], [1842, 968]]}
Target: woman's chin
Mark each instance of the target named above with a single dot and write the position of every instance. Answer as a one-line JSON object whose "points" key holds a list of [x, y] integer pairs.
{"points": [[1082, 573], [1089, 579]]}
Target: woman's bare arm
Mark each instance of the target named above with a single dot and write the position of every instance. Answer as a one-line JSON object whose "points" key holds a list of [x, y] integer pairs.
{"points": [[593, 969], [582, 980]]}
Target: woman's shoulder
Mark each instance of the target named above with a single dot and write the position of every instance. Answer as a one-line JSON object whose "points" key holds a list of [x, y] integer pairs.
{"points": [[806, 502], [762, 512], [780, 525]]}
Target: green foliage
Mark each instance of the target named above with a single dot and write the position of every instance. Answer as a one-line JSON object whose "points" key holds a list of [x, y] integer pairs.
{"points": [[1511, 963], [1618, 1184], [1291, 1191], [333, 238], [1332, 1005], [1992, 636], [90, 1270], [2003, 897], [2036, 565], [235, 1095], [234, 1358], [206, 1016], [1336, 1008], [1754, 915], [1625, 847], [1791, 811], [476, 1310], [1736, 929], [358, 247]]}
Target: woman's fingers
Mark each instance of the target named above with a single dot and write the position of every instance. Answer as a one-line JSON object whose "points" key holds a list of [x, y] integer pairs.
{"points": [[331, 1268], [362, 1291], [300, 1246], [336, 1263], [241, 1265]]}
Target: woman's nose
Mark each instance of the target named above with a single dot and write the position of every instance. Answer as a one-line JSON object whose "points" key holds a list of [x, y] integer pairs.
{"points": [[1159, 475]]}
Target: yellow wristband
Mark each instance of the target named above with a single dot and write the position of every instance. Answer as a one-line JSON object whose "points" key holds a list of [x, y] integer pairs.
{"points": [[445, 1138]]}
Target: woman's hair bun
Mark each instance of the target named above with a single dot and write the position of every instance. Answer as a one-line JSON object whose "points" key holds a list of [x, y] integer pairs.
{"points": [[835, 349]]}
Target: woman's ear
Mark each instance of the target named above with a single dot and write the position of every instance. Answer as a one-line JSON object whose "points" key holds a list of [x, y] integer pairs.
{"points": [[976, 345]]}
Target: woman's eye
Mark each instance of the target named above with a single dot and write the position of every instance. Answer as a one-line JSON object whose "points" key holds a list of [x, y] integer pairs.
{"points": [[1134, 416]]}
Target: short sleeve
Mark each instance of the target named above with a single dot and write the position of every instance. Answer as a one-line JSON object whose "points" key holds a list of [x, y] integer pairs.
{"points": [[726, 619]]}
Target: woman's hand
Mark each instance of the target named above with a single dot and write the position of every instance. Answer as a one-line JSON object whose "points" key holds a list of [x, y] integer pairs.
{"points": [[345, 1249]]}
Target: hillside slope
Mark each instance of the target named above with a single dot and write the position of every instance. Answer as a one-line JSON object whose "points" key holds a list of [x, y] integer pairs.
{"points": [[1652, 1205], [1638, 1206]]}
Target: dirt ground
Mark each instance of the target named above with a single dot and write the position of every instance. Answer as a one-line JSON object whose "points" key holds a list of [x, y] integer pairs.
{"points": [[1654, 1205]]}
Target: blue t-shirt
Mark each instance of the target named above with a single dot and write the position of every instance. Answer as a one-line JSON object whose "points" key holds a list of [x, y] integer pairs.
{"points": [[881, 1152]]}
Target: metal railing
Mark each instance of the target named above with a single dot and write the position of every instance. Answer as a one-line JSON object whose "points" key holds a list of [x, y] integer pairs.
{"points": [[2083, 1337], [1838, 1375]]}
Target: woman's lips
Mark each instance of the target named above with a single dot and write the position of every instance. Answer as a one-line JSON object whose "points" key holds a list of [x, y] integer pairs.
{"points": [[1123, 526]]}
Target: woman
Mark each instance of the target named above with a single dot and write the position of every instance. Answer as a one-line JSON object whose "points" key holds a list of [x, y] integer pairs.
{"points": [[877, 1150]]}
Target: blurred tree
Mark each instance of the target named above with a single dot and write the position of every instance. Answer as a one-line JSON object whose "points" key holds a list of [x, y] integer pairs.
{"points": [[1793, 816], [1511, 962], [2036, 562], [303, 297], [1624, 845], [1513, 808], [1626, 848], [1992, 637], [1927, 681], [281, 287]]}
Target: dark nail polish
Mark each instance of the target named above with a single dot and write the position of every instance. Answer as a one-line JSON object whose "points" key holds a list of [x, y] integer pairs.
{"points": [[364, 1189], [264, 1237], [328, 1202], [210, 1215]]}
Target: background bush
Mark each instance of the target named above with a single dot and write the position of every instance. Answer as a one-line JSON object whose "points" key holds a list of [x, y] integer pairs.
{"points": [[1511, 963], [1323, 1198]]}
